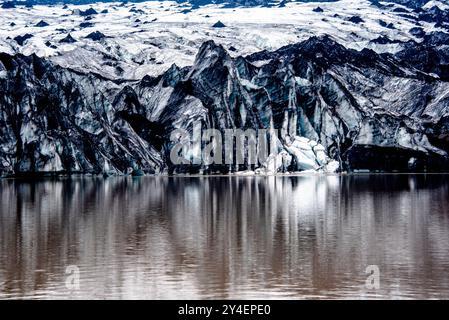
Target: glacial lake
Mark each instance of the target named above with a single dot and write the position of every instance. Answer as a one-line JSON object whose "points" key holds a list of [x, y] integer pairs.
{"points": [[283, 237]]}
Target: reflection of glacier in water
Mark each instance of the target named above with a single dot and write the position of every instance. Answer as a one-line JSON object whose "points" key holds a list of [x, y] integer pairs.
{"points": [[226, 237]]}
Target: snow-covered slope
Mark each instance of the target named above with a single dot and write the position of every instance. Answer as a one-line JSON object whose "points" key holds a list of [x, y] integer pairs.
{"points": [[147, 38]]}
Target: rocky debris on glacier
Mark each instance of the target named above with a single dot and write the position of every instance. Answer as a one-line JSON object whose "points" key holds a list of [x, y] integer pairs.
{"points": [[243, 3], [333, 107], [386, 25], [218, 24], [384, 40], [21, 39], [436, 38], [42, 24], [95, 36], [67, 39], [435, 15], [86, 13], [8, 5], [417, 32], [50, 45], [414, 4], [427, 56], [356, 19], [84, 25]]}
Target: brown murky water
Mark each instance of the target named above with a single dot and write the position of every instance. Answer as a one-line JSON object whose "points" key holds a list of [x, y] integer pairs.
{"points": [[225, 237]]}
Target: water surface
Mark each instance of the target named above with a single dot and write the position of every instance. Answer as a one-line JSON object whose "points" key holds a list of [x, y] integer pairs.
{"points": [[292, 237]]}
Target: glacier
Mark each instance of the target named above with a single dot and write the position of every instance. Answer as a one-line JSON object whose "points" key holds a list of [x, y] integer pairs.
{"points": [[345, 96], [57, 119]]}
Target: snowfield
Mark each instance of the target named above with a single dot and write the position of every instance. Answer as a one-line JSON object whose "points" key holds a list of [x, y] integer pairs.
{"points": [[147, 38]]}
